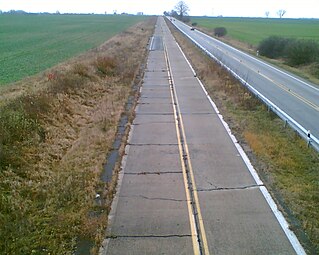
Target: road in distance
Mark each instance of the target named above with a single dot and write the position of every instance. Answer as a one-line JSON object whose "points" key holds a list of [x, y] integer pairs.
{"points": [[296, 97]]}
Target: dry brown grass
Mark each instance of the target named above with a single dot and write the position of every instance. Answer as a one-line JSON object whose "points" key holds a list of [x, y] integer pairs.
{"points": [[48, 197], [288, 168]]}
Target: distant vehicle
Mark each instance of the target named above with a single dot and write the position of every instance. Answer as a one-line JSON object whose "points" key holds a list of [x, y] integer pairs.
{"points": [[192, 28]]}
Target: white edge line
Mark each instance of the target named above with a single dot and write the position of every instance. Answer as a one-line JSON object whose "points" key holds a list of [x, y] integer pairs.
{"points": [[279, 216], [111, 216], [256, 59], [275, 107], [263, 63]]}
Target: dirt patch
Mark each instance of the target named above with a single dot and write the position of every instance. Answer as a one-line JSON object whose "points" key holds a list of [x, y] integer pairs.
{"points": [[51, 178]]}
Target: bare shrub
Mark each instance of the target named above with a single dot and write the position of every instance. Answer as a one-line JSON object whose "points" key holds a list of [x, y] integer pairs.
{"points": [[314, 69], [65, 83], [302, 52], [81, 70], [106, 66], [220, 31]]}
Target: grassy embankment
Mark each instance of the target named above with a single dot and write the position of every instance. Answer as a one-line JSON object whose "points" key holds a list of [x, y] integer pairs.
{"points": [[247, 33], [56, 130], [254, 30], [288, 168], [32, 43]]}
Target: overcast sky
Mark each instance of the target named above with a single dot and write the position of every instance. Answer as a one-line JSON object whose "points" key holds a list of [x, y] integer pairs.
{"points": [[237, 8]]}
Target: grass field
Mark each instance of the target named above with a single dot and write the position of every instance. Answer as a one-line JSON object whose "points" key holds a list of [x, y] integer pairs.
{"points": [[253, 30], [32, 43]]}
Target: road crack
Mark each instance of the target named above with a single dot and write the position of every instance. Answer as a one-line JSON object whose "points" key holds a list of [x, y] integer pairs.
{"points": [[153, 144], [146, 236], [155, 173], [156, 198], [254, 186]]}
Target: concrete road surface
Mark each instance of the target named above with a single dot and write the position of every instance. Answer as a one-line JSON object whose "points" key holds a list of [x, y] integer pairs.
{"points": [[185, 187], [295, 96]]}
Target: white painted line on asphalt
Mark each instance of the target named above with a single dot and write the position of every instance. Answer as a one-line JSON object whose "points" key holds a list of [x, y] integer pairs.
{"points": [[261, 62], [279, 216]]}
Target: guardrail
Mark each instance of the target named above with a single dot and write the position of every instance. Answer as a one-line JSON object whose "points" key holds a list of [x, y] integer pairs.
{"points": [[304, 133]]}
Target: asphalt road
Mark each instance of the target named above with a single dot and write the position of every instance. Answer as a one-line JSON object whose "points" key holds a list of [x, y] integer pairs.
{"points": [[295, 96], [186, 187]]}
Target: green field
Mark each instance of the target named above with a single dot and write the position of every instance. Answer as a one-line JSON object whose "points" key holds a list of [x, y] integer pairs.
{"points": [[253, 30], [32, 43]]}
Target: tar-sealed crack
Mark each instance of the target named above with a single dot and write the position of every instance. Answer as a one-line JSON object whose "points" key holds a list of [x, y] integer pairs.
{"points": [[254, 186], [162, 97], [152, 104], [154, 122], [155, 173], [146, 236], [155, 113], [198, 113], [156, 198], [153, 144]]}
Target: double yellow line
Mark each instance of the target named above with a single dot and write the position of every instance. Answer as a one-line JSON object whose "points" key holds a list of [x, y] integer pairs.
{"points": [[197, 226]]}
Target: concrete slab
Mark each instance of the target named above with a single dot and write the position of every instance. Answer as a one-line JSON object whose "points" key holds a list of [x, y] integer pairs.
{"points": [[157, 92], [239, 222], [151, 245], [153, 159], [207, 128], [152, 204], [191, 91], [218, 170], [156, 74], [151, 100], [154, 118], [155, 107], [161, 186], [195, 105], [154, 133], [155, 82]]}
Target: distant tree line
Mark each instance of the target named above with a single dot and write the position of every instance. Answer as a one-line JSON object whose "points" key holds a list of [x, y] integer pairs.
{"points": [[14, 12], [295, 52], [21, 12]]}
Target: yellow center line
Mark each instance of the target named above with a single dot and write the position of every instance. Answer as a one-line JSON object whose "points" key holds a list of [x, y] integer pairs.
{"points": [[194, 234], [188, 197], [200, 218], [177, 116], [283, 87]]}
